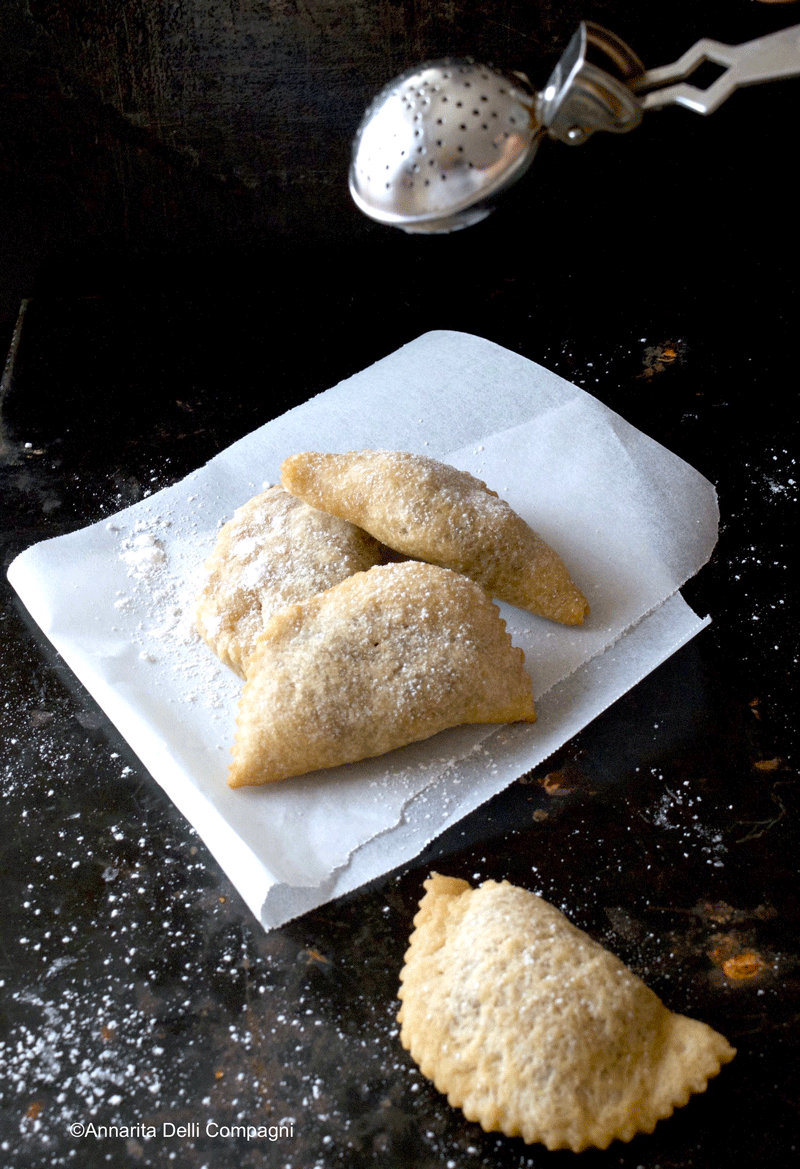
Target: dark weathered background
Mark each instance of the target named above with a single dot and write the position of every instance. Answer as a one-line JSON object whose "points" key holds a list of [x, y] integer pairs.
{"points": [[222, 126]]}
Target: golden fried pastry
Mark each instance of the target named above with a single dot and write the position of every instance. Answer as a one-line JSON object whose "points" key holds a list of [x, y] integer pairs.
{"points": [[534, 1030], [434, 512], [387, 657], [275, 551]]}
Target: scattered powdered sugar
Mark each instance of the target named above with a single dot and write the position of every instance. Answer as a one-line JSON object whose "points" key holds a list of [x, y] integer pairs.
{"points": [[142, 553], [779, 474], [679, 812], [164, 563]]}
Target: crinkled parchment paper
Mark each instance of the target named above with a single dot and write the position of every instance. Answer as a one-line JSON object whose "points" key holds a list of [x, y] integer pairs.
{"points": [[632, 521]]}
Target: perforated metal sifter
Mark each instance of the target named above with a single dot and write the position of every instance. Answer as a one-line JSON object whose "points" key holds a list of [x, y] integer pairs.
{"points": [[439, 143]]}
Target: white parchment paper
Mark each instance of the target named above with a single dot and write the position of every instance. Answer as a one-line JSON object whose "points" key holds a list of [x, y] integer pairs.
{"points": [[632, 521]]}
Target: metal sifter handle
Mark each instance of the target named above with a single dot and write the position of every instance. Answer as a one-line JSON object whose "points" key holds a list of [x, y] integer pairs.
{"points": [[765, 59], [612, 94]]}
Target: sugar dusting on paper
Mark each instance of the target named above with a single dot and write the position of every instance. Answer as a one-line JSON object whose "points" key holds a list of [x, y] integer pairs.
{"points": [[163, 601]]}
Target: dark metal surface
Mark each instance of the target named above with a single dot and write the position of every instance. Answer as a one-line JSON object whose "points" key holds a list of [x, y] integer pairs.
{"points": [[178, 224]]}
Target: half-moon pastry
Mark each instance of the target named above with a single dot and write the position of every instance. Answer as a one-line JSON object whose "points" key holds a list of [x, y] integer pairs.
{"points": [[387, 657], [434, 512], [534, 1030], [274, 551]]}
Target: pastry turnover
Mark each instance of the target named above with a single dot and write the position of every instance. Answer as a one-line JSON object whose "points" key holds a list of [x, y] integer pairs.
{"points": [[434, 512], [534, 1030], [275, 551], [387, 657]]}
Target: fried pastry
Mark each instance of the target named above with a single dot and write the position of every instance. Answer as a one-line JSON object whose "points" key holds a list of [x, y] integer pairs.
{"points": [[275, 551], [434, 512], [387, 657], [534, 1030]]}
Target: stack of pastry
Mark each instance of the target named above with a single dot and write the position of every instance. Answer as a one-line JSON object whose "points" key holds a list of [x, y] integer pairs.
{"points": [[356, 602]]}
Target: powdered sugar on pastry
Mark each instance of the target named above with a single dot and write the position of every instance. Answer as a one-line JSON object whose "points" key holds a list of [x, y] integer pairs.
{"points": [[275, 551], [437, 513], [387, 657], [534, 1030]]}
